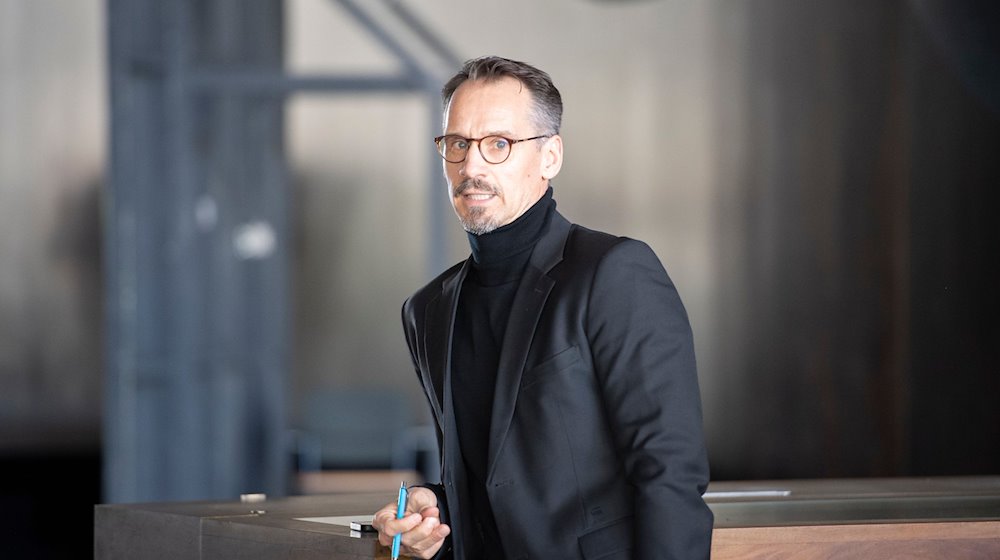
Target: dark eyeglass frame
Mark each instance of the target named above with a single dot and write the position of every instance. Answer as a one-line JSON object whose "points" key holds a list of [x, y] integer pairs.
{"points": [[479, 145]]}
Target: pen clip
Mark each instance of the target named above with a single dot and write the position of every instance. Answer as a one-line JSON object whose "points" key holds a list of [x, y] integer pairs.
{"points": [[401, 501]]}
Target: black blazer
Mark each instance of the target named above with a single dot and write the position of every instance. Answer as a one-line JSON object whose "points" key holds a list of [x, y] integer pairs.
{"points": [[596, 446]]}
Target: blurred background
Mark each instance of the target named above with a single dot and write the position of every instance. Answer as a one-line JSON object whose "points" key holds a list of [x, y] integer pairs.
{"points": [[211, 212]]}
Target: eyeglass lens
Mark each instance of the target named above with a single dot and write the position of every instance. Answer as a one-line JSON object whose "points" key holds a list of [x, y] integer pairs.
{"points": [[494, 149]]}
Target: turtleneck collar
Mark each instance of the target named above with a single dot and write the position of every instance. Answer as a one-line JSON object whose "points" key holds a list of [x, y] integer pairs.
{"points": [[501, 254]]}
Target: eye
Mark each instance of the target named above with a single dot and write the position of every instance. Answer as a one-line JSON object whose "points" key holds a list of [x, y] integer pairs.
{"points": [[458, 143], [499, 143]]}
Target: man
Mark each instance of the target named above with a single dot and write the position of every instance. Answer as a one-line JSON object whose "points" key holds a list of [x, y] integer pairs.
{"points": [[558, 361]]}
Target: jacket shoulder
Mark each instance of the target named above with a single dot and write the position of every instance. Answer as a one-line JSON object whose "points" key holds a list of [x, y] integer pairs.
{"points": [[588, 244], [587, 249]]}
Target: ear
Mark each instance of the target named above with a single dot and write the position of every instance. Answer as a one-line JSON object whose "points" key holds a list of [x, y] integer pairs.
{"points": [[552, 157]]}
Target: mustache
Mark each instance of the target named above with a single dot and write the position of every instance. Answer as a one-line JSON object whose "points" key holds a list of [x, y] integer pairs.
{"points": [[477, 185]]}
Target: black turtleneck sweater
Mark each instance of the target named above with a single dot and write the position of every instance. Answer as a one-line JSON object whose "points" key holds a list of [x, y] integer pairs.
{"points": [[498, 262]]}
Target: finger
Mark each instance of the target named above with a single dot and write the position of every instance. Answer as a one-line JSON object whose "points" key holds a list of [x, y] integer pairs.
{"points": [[389, 527], [380, 517], [429, 530], [379, 520], [420, 498], [383, 516], [431, 512], [425, 540], [420, 533]]}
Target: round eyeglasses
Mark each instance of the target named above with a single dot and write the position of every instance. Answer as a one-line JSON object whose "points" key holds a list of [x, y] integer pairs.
{"points": [[494, 149]]}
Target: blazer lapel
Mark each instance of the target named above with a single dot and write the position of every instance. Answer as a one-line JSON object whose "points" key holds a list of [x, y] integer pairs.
{"points": [[529, 300], [438, 335]]}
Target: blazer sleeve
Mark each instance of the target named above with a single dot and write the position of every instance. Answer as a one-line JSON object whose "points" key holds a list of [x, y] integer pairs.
{"points": [[643, 353]]}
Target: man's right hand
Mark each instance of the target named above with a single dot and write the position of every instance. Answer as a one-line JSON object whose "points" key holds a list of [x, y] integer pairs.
{"points": [[423, 533]]}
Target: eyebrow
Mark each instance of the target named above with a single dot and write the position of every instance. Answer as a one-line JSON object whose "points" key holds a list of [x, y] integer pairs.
{"points": [[504, 133]]}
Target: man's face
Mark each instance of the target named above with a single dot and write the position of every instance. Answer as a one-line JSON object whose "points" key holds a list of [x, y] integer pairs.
{"points": [[485, 195]]}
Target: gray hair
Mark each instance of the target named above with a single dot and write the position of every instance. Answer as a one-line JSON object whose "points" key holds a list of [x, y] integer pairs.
{"points": [[547, 103]]}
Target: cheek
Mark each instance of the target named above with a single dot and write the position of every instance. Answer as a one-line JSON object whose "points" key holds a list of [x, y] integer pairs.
{"points": [[452, 177]]}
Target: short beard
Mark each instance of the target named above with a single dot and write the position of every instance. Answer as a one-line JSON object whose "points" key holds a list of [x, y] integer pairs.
{"points": [[477, 222]]}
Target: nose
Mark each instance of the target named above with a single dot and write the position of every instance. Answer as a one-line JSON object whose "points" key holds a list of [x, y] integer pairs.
{"points": [[474, 164]]}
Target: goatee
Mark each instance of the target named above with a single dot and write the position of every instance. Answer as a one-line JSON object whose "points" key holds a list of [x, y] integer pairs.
{"points": [[477, 222]]}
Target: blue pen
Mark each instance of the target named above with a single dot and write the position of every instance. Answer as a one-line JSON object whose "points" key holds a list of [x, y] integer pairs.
{"points": [[400, 510]]}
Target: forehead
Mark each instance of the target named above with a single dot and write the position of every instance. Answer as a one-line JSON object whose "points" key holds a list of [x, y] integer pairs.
{"points": [[483, 107]]}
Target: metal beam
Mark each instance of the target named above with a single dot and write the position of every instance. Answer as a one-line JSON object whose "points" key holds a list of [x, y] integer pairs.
{"points": [[196, 240], [256, 82], [196, 355]]}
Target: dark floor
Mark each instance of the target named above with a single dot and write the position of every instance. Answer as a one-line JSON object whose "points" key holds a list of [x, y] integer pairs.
{"points": [[47, 504]]}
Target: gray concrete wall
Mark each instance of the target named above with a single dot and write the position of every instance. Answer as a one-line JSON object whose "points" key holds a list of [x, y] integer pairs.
{"points": [[52, 149], [784, 159]]}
